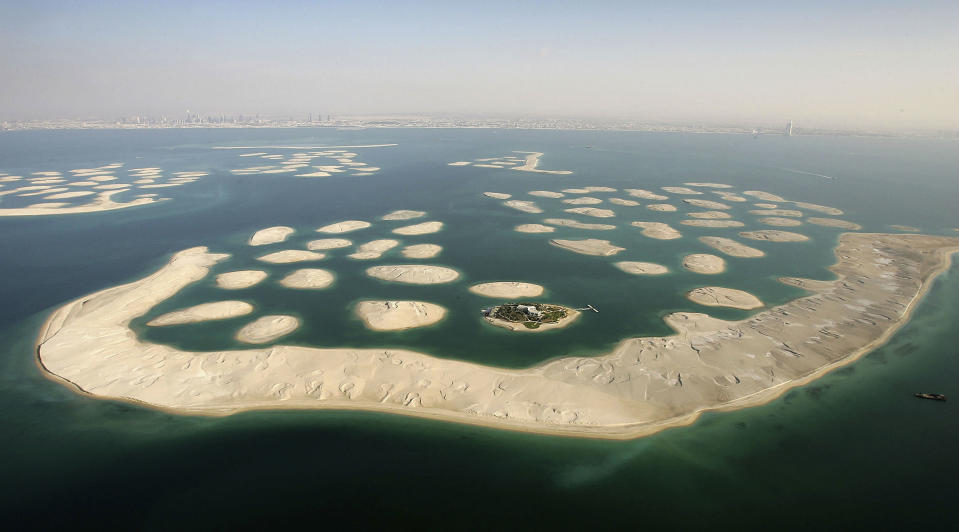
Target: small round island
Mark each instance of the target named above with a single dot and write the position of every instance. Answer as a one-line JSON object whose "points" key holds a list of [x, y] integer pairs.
{"points": [[530, 317]]}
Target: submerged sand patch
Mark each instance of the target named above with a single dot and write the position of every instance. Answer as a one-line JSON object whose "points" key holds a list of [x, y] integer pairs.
{"points": [[589, 246], [240, 279], [717, 296], [219, 310], [641, 268], [398, 315], [704, 263]]}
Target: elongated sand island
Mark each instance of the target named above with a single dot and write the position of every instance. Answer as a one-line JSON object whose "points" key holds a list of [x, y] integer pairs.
{"points": [[644, 385]]}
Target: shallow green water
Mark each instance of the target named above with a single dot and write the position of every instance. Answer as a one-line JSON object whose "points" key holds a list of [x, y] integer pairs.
{"points": [[841, 451]]}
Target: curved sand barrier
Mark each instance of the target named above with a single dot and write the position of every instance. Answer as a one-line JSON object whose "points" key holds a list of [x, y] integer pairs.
{"points": [[706, 204], [398, 315], [344, 227], [641, 268], [661, 207], [219, 310], [421, 251], [575, 224], [414, 273], [832, 211], [780, 222], [525, 206], [328, 243], [704, 263], [592, 211], [731, 247], [585, 200], [658, 230], [424, 228], [713, 223], [240, 279], [497, 195], [373, 249], [507, 289], [271, 235], [546, 194], [291, 255], [632, 391], [589, 246], [773, 235], [267, 328], [717, 296], [308, 278], [778, 212], [623, 202], [403, 215], [832, 222], [681, 190], [765, 196], [534, 228], [645, 194]]}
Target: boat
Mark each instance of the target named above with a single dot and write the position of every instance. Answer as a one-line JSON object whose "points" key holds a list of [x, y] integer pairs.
{"points": [[933, 396]]}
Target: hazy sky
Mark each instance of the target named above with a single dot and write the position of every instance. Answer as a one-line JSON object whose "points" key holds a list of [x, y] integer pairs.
{"points": [[837, 64]]}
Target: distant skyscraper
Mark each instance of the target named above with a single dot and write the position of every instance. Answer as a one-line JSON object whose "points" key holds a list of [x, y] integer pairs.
{"points": [[789, 128]]}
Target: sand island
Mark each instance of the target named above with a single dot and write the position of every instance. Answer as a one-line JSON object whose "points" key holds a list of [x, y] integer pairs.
{"points": [[398, 315], [530, 317]]}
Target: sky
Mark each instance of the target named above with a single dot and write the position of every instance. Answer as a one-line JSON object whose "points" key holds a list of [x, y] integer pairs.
{"points": [[840, 64]]}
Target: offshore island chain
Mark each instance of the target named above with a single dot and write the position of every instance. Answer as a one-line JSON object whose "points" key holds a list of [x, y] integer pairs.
{"points": [[192, 120], [644, 385]]}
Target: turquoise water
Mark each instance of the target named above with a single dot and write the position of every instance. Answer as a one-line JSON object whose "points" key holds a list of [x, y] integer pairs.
{"points": [[845, 450]]}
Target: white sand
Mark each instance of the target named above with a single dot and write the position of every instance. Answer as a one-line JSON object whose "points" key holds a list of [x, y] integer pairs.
{"points": [[591, 211], [575, 224], [219, 310], [507, 289], [424, 228], [328, 243], [729, 196], [832, 222], [661, 207], [459, 163], [641, 268], [731, 247], [708, 185], [712, 223], [645, 194], [681, 190], [717, 296], [766, 205], [534, 228], [706, 204], [373, 249], [601, 189], [585, 200], [710, 215], [267, 328], [819, 208], [525, 206], [240, 279], [576, 190], [631, 391], [658, 230], [271, 235], [765, 196], [780, 222], [414, 273], [102, 202], [114, 186], [532, 162], [314, 174], [343, 227], [422, 251], [403, 215], [398, 315], [546, 194], [48, 205], [777, 212], [308, 278], [589, 246], [497, 195], [773, 235], [67, 195], [623, 202], [704, 263], [291, 255]]}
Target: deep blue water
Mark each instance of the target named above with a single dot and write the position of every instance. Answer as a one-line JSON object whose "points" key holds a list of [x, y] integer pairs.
{"points": [[848, 450]]}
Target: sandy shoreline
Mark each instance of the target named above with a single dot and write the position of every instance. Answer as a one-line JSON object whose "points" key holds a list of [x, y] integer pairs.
{"points": [[581, 396]]}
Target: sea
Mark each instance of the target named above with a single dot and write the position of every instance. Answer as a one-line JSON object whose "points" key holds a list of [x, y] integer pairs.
{"points": [[853, 449]]}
